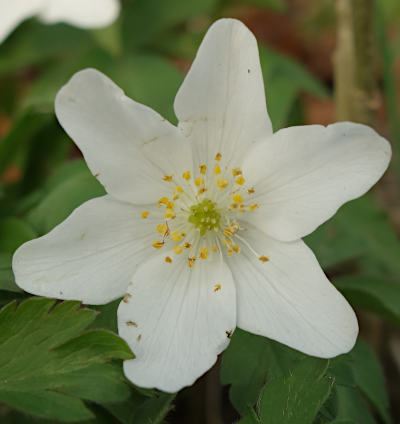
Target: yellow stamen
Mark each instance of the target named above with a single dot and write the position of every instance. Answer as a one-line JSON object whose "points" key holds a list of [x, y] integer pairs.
{"points": [[163, 200], [178, 250], [218, 157], [187, 245], [203, 253], [236, 172], [236, 248], [199, 181], [191, 261], [240, 180], [145, 214], [203, 190], [237, 198], [263, 259], [176, 236], [251, 190], [158, 244], [253, 207], [203, 169], [178, 189], [217, 287], [167, 178], [214, 249], [169, 214], [162, 228], [217, 169], [186, 175], [222, 183], [170, 205], [168, 260]]}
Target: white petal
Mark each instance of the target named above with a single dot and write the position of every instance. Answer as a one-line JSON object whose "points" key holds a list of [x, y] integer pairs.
{"points": [[127, 145], [175, 322], [12, 12], [82, 13], [221, 103], [289, 298], [90, 257], [302, 175]]}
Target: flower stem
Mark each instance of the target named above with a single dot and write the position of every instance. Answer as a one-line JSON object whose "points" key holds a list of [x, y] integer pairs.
{"points": [[355, 81]]}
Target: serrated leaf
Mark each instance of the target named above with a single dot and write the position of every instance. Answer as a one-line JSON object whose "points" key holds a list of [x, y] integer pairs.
{"points": [[249, 361], [46, 365], [297, 398]]}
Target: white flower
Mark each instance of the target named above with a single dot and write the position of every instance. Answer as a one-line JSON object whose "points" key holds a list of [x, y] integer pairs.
{"points": [[201, 229], [82, 13]]}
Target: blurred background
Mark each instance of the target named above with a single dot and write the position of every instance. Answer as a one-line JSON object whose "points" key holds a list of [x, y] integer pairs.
{"points": [[323, 61]]}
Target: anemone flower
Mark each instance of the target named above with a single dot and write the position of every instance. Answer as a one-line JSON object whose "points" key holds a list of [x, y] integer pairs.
{"points": [[201, 228]]}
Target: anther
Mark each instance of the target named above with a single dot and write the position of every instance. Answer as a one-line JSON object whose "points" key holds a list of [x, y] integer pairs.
{"points": [[145, 214]]}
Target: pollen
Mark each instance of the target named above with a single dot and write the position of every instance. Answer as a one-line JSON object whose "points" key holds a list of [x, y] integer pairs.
{"points": [[217, 287], [145, 214], [203, 253], [167, 178], [158, 244], [186, 175], [222, 183], [176, 236], [240, 180], [236, 172], [178, 250], [199, 181], [168, 260], [253, 207], [162, 228], [251, 190], [163, 200], [217, 169], [169, 214], [218, 157], [238, 198], [191, 261], [203, 169], [263, 259]]}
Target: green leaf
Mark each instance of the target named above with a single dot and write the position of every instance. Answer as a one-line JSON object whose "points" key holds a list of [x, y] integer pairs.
{"points": [[368, 375], [34, 43], [284, 80], [378, 294], [149, 79], [153, 410], [47, 366], [60, 202], [297, 398], [352, 407], [363, 220], [14, 232], [278, 5], [6, 275], [249, 361], [143, 20]]}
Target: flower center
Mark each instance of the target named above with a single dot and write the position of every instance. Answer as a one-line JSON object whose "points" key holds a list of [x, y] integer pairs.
{"points": [[202, 216], [205, 216]]}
